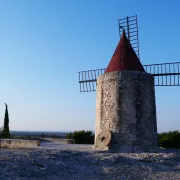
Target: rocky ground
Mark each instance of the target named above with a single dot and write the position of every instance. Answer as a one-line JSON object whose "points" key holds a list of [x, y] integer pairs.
{"points": [[68, 165]]}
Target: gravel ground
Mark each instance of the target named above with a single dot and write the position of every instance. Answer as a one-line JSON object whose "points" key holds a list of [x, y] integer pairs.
{"points": [[24, 164]]}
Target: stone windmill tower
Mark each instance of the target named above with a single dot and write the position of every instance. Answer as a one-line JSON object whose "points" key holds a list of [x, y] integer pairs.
{"points": [[125, 97], [125, 104]]}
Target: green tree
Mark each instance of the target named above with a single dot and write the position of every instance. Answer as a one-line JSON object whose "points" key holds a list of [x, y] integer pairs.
{"points": [[169, 139], [81, 137], [6, 133], [69, 136]]}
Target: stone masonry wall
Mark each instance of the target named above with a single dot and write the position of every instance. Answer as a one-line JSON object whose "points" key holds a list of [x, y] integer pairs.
{"points": [[18, 143], [125, 105]]}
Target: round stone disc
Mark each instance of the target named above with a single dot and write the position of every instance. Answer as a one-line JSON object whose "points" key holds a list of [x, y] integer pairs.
{"points": [[103, 139]]}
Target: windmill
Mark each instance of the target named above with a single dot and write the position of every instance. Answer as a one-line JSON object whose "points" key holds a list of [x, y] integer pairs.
{"points": [[125, 95], [165, 74]]}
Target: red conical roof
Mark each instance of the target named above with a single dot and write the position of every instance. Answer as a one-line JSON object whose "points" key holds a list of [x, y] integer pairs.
{"points": [[124, 57]]}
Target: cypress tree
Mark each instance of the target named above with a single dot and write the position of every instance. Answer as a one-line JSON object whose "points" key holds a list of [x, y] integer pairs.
{"points": [[6, 133]]}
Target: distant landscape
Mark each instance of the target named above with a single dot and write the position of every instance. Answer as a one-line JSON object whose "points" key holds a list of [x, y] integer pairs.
{"points": [[39, 133]]}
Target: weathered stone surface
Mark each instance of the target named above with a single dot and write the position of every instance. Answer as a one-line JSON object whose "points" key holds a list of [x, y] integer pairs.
{"points": [[103, 139], [18, 143], [125, 149], [125, 105]]}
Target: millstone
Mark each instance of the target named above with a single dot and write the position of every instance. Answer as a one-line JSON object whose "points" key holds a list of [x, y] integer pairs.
{"points": [[103, 139]]}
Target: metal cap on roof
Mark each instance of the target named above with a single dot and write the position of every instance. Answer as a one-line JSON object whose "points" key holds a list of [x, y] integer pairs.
{"points": [[124, 57]]}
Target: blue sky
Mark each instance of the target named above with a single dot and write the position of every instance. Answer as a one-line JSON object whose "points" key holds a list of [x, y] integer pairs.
{"points": [[44, 43]]}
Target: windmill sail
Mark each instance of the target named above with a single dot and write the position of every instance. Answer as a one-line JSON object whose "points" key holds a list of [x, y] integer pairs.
{"points": [[130, 25], [165, 74]]}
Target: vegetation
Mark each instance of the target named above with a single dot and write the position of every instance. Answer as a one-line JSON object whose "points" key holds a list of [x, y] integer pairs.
{"points": [[43, 135], [6, 133], [81, 137], [169, 139]]}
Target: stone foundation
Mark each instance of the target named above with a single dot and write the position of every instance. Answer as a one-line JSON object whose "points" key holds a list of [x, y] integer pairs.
{"points": [[125, 105], [18, 143]]}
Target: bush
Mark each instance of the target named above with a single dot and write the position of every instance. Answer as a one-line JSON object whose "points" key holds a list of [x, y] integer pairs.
{"points": [[81, 137], [169, 139]]}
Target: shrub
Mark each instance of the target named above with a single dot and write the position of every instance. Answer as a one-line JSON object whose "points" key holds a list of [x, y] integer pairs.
{"points": [[169, 139], [69, 136], [82, 137]]}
